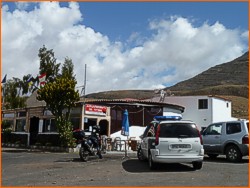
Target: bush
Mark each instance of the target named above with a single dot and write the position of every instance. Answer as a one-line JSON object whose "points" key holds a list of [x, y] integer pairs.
{"points": [[65, 132]]}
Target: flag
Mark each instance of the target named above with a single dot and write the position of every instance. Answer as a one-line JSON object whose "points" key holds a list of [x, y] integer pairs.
{"points": [[4, 79], [42, 79], [30, 81]]}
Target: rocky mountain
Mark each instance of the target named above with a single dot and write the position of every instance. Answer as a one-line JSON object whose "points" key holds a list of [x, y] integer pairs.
{"points": [[229, 78]]}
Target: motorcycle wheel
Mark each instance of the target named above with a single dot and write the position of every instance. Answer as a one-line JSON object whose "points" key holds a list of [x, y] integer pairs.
{"points": [[84, 155]]}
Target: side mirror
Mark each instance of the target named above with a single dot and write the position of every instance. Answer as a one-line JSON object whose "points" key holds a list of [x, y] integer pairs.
{"points": [[203, 131]]}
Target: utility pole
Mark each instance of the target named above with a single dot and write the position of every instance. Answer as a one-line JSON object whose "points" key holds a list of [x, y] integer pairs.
{"points": [[83, 91], [85, 77]]}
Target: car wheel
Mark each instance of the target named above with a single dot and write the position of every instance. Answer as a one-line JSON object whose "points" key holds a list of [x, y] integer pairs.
{"points": [[233, 154], [197, 165], [212, 156], [152, 164], [140, 155]]}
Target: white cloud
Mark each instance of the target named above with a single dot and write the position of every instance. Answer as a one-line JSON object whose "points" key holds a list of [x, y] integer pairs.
{"points": [[176, 50], [22, 5]]}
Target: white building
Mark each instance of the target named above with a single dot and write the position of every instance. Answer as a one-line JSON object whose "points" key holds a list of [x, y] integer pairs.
{"points": [[203, 110]]}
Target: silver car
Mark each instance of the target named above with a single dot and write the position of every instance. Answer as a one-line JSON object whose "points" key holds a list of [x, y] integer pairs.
{"points": [[227, 138]]}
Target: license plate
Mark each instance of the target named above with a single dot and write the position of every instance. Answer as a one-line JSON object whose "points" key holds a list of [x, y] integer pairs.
{"points": [[180, 146]]}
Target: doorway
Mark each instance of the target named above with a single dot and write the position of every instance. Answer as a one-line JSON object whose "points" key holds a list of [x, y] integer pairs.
{"points": [[89, 122], [104, 127], [34, 127]]}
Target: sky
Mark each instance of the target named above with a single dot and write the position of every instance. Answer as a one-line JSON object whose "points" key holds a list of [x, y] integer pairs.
{"points": [[125, 45]]}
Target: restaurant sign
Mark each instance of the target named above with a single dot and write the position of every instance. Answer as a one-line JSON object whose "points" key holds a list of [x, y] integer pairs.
{"points": [[95, 110]]}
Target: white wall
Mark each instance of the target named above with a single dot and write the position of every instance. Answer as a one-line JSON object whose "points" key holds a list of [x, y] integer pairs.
{"points": [[217, 109], [222, 110], [201, 117]]}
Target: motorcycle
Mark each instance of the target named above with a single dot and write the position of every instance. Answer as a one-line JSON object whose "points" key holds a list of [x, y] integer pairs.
{"points": [[90, 145]]}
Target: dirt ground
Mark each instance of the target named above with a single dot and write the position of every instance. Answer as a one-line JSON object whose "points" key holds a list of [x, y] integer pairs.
{"points": [[36, 168]]}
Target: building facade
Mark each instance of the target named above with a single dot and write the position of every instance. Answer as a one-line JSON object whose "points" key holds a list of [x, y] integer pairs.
{"points": [[36, 124], [203, 110]]}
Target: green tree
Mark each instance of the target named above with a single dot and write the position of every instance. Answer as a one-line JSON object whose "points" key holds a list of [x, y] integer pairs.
{"points": [[60, 96], [11, 94], [48, 64]]}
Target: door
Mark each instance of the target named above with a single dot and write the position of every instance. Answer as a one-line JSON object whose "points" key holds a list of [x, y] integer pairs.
{"points": [[148, 138], [212, 138], [103, 127], [34, 127]]}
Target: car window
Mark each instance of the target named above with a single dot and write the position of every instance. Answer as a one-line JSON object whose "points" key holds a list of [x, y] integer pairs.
{"points": [[213, 130], [149, 131], [232, 128], [177, 130]]}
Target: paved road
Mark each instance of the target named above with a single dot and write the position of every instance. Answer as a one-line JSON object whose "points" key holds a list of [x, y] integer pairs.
{"points": [[29, 168]]}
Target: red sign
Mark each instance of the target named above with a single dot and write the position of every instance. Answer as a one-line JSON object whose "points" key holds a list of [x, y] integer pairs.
{"points": [[95, 109]]}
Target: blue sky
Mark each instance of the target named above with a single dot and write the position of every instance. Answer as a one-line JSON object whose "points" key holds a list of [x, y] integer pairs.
{"points": [[135, 16], [143, 45]]}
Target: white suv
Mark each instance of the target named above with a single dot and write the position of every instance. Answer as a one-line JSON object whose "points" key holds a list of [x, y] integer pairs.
{"points": [[171, 140]]}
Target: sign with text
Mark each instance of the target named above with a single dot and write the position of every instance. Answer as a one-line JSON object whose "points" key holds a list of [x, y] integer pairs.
{"points": [[95, 110]]}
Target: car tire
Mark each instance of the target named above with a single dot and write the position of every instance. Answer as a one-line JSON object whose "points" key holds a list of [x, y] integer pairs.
{"points": [[151, 163], [197, 165], [212, 156], [140, 155], [233, 154]]}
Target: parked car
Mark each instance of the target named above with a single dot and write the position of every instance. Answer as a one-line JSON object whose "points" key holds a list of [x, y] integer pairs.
{"points": [[171, 140], [227, 138]]}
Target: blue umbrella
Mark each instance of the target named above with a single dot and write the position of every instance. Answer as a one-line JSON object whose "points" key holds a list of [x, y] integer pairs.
{"points": [[125, 124]]}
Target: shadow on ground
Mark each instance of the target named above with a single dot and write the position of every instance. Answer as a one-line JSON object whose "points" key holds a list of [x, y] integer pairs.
{"points": [[136, 166]]}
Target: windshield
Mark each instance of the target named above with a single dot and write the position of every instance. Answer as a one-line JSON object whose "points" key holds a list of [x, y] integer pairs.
{"points": [[178, 130]]}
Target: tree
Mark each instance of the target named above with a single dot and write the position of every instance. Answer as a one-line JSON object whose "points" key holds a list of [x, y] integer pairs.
{"points": [[68, 69], [48, 64], [11, 94], [60, 96]]}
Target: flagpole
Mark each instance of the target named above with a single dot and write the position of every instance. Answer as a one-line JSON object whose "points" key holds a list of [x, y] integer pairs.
{"points": [[3, 87], [3, 96]]}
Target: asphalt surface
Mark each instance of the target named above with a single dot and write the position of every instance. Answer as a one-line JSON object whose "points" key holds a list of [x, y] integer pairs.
{"points": [[22, 167]]}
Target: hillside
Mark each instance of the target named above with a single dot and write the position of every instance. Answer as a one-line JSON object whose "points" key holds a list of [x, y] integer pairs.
{"points": [[225, 79], [229, 80]]}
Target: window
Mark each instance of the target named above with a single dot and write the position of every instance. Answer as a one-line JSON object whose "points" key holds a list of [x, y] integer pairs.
{"points": [[20, 125], [119, 115], [203, 104], [113, 114], [21, 114], [214, 129], [149, 131], [49, 125], [9, 115], [175, 130], [233, 128], [7, 124], [75, 123]]}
